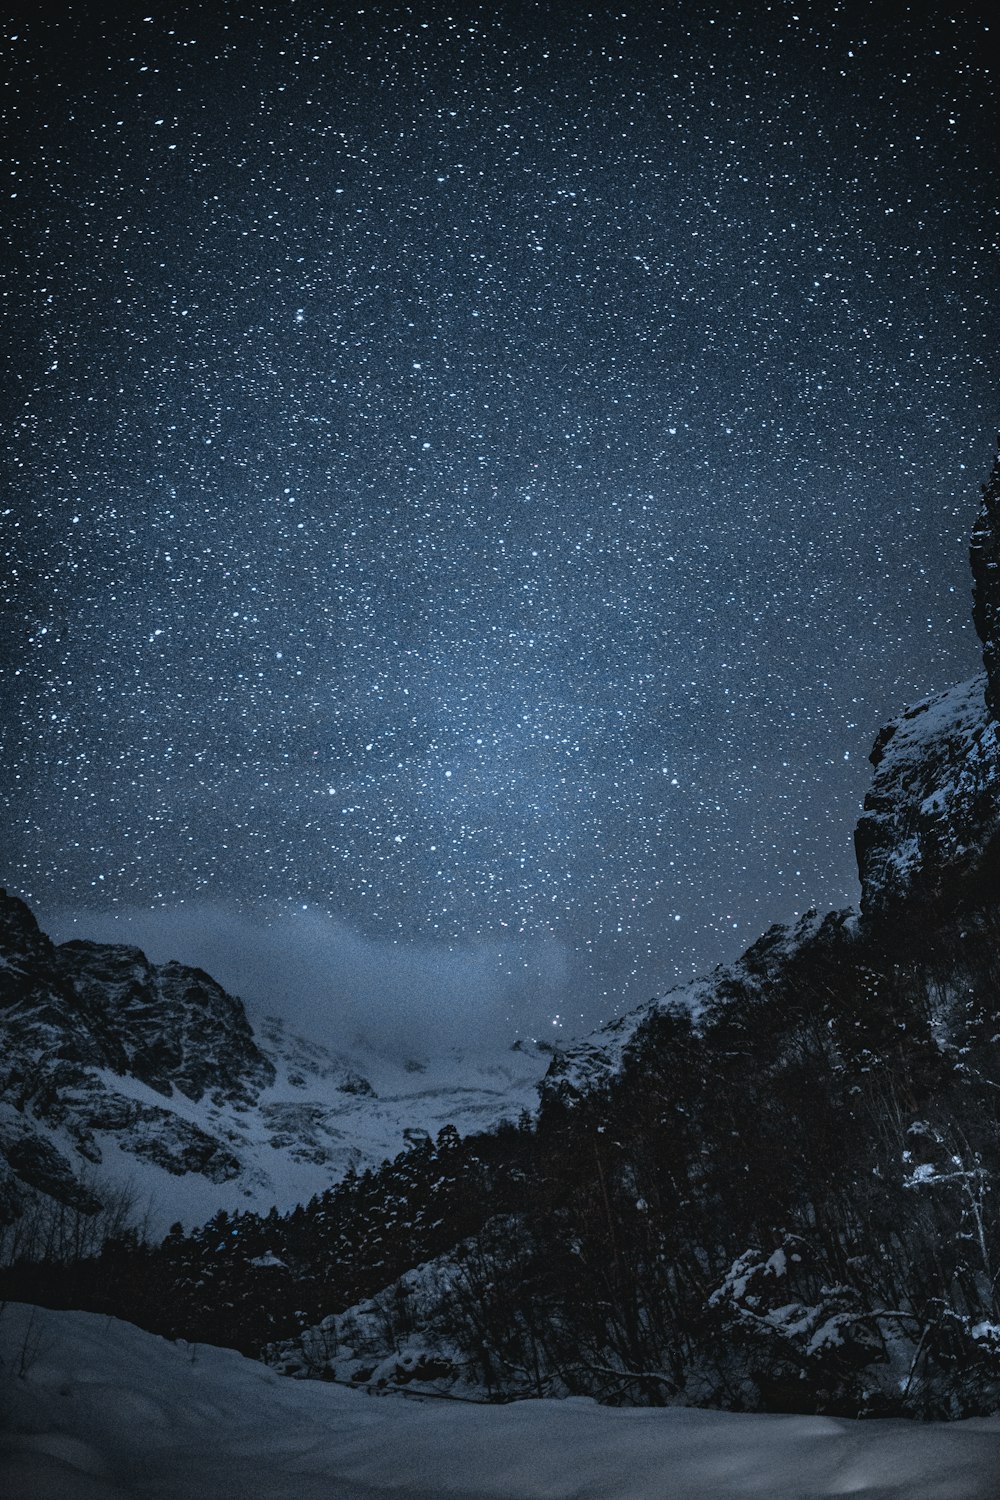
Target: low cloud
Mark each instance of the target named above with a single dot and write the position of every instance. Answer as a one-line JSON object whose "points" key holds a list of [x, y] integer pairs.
{"points": [[339, 986]]}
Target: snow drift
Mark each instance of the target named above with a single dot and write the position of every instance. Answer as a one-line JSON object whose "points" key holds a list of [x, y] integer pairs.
{"points": [[97, 1410]]}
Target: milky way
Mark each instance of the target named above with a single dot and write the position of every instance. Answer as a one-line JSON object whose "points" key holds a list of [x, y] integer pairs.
{"points": [[486, 472]]}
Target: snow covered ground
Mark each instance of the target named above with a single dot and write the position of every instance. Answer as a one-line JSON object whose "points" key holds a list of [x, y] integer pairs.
{"points": [[103, 1410]]}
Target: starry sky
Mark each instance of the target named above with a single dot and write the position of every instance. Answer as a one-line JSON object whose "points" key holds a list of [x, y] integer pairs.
{"points": [[480, 475]]}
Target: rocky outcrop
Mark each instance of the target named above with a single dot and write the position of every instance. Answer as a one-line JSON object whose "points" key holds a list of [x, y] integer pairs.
{"points": [[929, 837], [30, 1164], [79, 1023], [105, 1005], [168, 1025], [928, 840]]}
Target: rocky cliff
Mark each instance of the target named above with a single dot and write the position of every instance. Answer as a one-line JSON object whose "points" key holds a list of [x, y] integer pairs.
{"points": [[928, 839], [77, 1022], [984, 556]]}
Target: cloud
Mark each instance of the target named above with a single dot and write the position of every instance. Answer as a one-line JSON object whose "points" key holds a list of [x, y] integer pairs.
{"points": [[338, 986]]}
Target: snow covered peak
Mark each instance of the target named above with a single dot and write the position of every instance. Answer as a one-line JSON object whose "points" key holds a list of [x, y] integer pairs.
{"points": [[168, 1025]]}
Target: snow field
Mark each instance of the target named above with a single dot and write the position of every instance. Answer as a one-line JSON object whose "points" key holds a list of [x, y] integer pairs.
{"points": [[95, 1409]]}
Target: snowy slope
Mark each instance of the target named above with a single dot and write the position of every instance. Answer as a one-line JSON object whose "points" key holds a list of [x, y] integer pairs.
{"points": [[588, 1064], [103, 1411], [323, 1114]]}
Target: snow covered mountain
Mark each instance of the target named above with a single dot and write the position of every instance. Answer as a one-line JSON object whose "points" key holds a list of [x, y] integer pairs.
{"points": [[117, 1073]]}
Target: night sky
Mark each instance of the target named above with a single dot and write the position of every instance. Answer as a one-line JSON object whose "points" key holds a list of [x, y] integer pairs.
{"points": [[481, 475]]}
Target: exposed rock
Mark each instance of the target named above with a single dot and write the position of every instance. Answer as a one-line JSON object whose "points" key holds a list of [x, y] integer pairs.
{"points": [[19, 932], [167, 1024], [930, 830], [76, 1017], [306, 1131], [33, 1161], [178, 1146], [354, 1084]]}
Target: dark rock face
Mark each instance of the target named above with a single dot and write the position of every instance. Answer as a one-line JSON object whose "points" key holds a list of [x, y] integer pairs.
{"points": [[134, 1079], [358, 1086], [169, 1025], [75, 1017], [105, 1005], [18, 929], [306, 1131], [28, 1159], [929, 836], [984, 554]]}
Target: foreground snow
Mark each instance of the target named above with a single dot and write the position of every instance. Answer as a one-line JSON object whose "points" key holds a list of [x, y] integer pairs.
{"points": [[103, 1410]]}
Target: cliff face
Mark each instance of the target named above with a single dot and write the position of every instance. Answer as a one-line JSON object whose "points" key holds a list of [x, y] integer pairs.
{"points": [[171, 1026], [94, 1042], [984, 555], [929, 836], [928, 840], [105, 1005]]}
